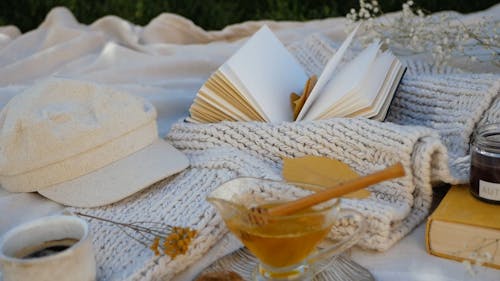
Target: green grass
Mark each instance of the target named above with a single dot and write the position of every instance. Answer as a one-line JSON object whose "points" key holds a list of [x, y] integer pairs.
{"points": [[209, 14]]}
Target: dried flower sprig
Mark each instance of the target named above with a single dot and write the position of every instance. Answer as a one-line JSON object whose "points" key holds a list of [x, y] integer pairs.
{"points": [[442, 35], [479, 252], [157, 236]]}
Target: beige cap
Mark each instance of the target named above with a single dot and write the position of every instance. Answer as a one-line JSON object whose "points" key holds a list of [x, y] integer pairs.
{"points": [[81, 144]]}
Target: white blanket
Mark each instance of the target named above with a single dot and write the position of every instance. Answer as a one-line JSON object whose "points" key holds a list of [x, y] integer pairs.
{"points": [[165, 61]]}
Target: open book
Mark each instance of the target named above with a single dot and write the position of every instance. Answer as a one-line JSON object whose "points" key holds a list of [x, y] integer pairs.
{"points": [[256, 84]]}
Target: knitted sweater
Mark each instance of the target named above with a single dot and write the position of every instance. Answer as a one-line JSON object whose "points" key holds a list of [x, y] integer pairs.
{"points": [[428, 130]]}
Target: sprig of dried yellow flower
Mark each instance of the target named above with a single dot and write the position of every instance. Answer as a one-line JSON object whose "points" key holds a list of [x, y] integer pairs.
{"points": [[159, 237]]}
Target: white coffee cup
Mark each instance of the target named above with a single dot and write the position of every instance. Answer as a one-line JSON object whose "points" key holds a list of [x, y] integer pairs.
{"points": [[75, 263]]}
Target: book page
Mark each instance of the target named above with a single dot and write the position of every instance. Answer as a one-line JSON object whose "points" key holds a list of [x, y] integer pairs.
{"points": [[383, 95], [399, 71], [267, 74], [203, 114], [326, 75], [370, 92], [233, 80], [218, 103], [227, 91], [346, 84]]}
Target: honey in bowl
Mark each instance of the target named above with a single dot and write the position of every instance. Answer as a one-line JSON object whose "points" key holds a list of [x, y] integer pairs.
{"points": [[283, 242], [284, 245]]}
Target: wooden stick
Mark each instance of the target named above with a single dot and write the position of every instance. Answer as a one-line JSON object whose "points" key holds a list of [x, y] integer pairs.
{"points": [[391, 172]]}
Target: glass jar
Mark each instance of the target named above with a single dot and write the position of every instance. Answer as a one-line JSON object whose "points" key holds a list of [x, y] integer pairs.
{"points": [[485, 163]]}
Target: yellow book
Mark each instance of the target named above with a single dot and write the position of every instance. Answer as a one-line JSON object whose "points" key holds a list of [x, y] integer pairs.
{"points": [[260, 80], [464, 228]]}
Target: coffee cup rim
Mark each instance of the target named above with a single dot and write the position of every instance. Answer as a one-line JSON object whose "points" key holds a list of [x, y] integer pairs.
{"points": [[43, 220]]}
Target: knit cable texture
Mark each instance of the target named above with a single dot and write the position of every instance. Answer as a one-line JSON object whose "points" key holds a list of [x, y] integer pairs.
{"points": [[430, 122]]}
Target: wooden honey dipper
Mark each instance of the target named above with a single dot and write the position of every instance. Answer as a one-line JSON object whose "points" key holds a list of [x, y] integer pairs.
{"points": [[258, 214]]}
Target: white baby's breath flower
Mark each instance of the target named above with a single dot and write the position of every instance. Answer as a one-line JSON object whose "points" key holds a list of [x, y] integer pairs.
{"points": [[488, 256], [442, 36], [468, 267]]}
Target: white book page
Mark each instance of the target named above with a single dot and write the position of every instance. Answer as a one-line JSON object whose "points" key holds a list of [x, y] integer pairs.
{"points": [[269, 74], [370, 92], [390, 68], [326, 75], [342, 111], [235, 82], [388, 89], [347, 82]]}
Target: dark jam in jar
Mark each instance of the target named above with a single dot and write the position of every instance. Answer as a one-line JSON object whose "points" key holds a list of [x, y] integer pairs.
{"points": [[485, 164]]}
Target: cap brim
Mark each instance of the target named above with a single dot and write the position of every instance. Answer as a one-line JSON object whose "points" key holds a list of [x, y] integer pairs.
{"points": [[121, 178]]}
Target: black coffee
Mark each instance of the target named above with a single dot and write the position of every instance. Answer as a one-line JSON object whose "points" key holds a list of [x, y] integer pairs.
{"points": [[47, 248]]}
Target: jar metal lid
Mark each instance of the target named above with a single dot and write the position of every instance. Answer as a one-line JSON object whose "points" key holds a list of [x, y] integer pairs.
{"points": [[487, 138]]}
